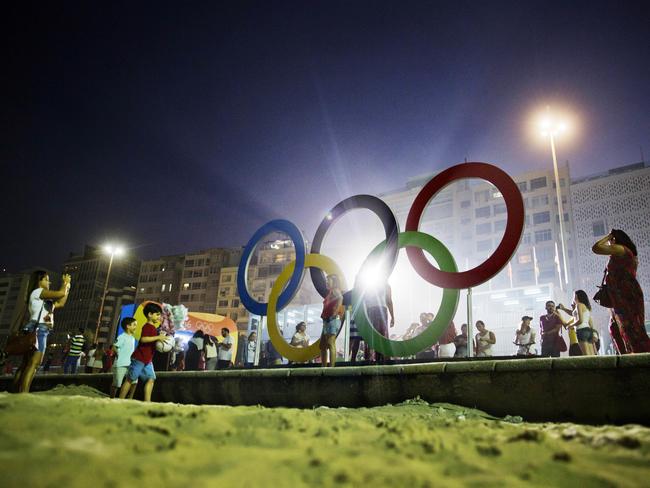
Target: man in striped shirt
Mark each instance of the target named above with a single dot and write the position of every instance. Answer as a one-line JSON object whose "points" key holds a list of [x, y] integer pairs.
{"points": [[76, 346]]}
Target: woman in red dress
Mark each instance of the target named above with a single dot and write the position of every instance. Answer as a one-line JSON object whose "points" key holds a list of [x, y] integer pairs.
{"points": [[627, 323]]}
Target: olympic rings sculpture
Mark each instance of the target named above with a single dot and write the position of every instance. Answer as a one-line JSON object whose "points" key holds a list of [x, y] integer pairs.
{"points": [[386, 253]]}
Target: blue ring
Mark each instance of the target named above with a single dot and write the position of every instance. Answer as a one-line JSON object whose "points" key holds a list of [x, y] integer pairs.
{"points": [[289, 292]]}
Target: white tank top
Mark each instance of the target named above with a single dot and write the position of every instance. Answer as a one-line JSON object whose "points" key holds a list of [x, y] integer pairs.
{"points": [[586, 315]]}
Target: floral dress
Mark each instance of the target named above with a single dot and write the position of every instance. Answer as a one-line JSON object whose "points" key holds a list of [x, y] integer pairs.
{"points": [[627, 315]]}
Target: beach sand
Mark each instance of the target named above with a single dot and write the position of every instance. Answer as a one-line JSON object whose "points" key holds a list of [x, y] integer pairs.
{"points": [[75, 436]]}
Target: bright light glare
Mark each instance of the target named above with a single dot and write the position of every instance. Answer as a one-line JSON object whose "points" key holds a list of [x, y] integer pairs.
{"points": [[114, 250], [552, 124], [371, 277]]}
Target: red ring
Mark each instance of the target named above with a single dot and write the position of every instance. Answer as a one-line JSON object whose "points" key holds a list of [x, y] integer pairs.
{"points": [[511, 236]]}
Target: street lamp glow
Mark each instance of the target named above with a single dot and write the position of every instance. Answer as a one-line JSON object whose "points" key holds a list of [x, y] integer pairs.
{"points": [[113, 250]]}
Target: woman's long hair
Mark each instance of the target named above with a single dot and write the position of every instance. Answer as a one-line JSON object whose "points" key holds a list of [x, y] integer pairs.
{"points": [[583, 298], [623, 239]]}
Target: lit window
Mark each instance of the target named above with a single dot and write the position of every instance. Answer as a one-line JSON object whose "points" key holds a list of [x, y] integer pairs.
{"points": [[186, 286]]}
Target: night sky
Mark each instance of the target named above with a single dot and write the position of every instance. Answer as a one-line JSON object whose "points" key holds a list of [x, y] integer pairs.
{"points": [[177, 126]]}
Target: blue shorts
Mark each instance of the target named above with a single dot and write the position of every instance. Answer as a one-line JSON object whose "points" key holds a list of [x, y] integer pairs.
{"points": [[585, 334], [139, 370], [42, 332], [331, 326]]}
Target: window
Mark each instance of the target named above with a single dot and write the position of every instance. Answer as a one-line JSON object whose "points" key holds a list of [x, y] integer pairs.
{"points": [[482, 229], [170, 287], [500, 208], [482, 212], [187, 273], [227, 278], [499, 225], [233, 315], [543, 235], [538, 183], [539, 201], [481, 196], [235, 302], [185, 297], [222, 303], [465, 204], [541, 217], [524, 259], [598, 228], [562, 183], [197, 286], [484, 245], [465, 221], [186, 286], [557, 218], [189, 263], [523, 186], [163, 287]]}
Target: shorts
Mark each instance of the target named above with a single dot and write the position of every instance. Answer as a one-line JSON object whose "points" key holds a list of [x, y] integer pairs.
{"points": [[119, 372], [42, 332], [585, 334], [331, 326], [139, 370]]}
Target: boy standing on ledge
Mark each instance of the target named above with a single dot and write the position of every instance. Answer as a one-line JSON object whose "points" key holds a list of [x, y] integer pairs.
{"points": [[141, 361]]}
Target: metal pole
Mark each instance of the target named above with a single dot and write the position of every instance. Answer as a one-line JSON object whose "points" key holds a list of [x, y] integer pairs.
{"points": [[346, 336], [560, 210], [101, 306], [470, 328], [258, 345]]}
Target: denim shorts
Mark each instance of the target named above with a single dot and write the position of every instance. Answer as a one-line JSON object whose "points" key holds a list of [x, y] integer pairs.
{"points": [[42, 332], [139, 370], [331, 326], [585, 334]]}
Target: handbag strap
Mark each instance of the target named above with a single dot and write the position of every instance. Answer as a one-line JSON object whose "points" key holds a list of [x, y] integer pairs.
{"points": [[602, 283]]}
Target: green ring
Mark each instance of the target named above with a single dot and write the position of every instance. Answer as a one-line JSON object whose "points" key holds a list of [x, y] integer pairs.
{"points": [[445, 314]]}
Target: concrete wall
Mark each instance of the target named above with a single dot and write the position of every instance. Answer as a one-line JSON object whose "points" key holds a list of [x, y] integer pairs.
{"points": [[607, 389]]}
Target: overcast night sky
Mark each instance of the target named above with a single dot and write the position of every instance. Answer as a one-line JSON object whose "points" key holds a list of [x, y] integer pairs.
{"points": [[177, 126]]}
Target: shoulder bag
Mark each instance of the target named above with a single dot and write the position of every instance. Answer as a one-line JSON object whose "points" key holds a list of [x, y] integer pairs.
{"points": [[24, 342], [602, 296]]}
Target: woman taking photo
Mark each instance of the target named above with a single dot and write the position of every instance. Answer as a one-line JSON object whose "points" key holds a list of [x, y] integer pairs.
{"points": [[525, 337], [581, 321], [40, 306], [331, 320], [626, 324]]}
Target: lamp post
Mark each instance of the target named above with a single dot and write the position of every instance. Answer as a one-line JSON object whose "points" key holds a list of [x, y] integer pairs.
{"points": [[551, 128], [113, 251]]}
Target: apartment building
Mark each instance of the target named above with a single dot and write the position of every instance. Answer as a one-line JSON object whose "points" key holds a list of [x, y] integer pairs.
{"points": [[189, 279], [89, 271]]}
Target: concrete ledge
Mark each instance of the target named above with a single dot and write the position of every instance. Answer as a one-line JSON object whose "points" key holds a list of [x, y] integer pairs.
{"points": [[584, 389]]}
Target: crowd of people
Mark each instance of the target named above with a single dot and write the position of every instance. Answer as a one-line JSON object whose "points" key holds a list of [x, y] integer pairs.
{"points": [[132, 361]]}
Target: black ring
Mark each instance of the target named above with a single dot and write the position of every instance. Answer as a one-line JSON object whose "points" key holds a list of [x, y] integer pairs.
{"points": [[379, 208]]}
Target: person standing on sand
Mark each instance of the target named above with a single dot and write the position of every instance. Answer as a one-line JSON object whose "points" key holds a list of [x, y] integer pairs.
{"points": [[40, 306]]}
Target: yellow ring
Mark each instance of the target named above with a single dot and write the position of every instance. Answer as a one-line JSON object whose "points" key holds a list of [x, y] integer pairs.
{"points": [[297, 354]]}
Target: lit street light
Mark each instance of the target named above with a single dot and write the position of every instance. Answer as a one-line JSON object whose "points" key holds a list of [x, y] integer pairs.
{"points": [[113, 251], [551, 127]]}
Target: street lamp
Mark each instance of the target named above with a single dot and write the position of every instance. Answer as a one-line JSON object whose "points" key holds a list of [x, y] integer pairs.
{"points": [[113, 251], [551, 127]]}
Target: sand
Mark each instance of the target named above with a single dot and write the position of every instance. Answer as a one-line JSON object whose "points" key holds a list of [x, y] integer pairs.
{"points": [[75, 436]]}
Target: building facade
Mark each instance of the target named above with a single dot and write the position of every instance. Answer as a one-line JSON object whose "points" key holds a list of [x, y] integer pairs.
{"points": [[189, 279], [620, 199], [89, 271]]}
